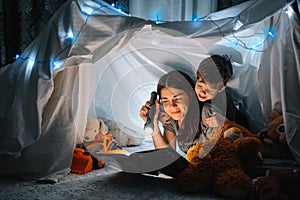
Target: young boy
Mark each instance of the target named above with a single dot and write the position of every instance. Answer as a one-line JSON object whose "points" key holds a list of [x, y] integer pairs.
{"points": [[212, 76]]}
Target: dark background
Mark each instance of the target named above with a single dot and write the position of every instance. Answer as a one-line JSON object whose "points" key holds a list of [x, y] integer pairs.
{"points": [[22, 20]]}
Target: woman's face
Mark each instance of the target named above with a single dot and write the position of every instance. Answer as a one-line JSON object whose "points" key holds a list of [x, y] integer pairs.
{"points": [[175, 102], [203, 91]]}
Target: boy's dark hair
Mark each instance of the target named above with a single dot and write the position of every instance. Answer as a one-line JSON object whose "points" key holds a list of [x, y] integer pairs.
{"points": [[223, 63], [216, 70]]}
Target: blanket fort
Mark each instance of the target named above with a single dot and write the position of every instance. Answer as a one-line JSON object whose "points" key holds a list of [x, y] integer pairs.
{"points": [[93, 61]]}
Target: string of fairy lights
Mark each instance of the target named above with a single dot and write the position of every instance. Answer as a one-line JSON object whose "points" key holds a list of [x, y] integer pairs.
{"points": [[56, 63], [258, 46], [269, 35]]}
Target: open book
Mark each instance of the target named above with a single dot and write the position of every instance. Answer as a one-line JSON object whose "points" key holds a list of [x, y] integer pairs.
{"points": [[155, 161], [165, 160]]}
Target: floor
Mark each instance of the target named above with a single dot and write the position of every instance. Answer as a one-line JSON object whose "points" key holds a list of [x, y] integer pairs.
{"points": [[107, 182], [103, 183]]}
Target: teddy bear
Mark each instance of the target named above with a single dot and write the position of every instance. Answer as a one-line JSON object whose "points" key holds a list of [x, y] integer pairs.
{"points": [[221, 164], [93, 128], [97, 137], [274, 137], [278, 184]]}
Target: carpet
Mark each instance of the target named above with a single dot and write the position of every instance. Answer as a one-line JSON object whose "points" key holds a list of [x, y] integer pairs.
{"points": [[104, 183], [108, 182]]}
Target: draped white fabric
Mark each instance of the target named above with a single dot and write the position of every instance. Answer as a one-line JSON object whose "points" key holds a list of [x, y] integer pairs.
{"points": [[280, 76], [93, 61]]}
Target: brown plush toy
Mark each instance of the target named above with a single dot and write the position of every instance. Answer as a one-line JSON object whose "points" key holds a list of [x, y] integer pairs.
{"points": [[222, 163], [278, 184], [274, 138]]}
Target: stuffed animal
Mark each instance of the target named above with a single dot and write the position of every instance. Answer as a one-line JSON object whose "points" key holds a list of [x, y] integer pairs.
{"points": [[278, 184], [97, 137], [83, 162], [122, 135], [224, 168], [94, 127], [274, 138]]}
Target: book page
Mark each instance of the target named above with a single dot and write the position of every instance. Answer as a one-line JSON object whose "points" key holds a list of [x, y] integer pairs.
{"points": [[165, 160]]}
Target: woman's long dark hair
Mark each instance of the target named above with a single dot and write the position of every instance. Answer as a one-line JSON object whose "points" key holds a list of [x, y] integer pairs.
{"points": [[190, 128]]}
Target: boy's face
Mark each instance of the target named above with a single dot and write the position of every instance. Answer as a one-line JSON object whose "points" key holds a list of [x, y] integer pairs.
{"points": [[203, 90]]}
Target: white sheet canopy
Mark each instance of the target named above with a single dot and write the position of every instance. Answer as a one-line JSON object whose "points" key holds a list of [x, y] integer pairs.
{"points": [[93, 61]]}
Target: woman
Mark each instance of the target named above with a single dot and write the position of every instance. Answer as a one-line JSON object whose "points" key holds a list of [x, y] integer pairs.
{"points": [[180, 104]]}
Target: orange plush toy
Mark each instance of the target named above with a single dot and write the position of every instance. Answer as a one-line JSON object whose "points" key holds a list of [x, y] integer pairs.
{"points": [[222, 163], [81, 163], [84, 162]]}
